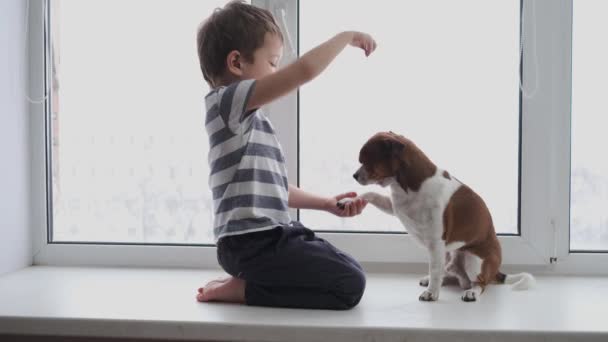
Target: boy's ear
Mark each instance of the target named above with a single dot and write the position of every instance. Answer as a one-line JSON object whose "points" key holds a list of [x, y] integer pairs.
{"points": [[233, 61]]}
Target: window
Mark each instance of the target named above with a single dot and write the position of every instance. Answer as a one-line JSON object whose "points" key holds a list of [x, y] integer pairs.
{"points": [[129, 145], [589, 183], [122, 138], [436, 78]]}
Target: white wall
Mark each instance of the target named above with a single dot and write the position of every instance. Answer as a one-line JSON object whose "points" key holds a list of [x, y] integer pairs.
{"points": [[15, 235]]}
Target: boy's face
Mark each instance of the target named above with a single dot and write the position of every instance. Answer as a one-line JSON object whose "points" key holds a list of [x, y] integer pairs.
{"points": [[265, 59]]}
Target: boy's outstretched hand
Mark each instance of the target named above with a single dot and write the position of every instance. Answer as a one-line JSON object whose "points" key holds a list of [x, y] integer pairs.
{"points": [[346, 205], [364, 41]]}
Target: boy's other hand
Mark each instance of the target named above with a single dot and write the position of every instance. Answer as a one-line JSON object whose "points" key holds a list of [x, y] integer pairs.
{"points": [[364, 41], [354, 206]]}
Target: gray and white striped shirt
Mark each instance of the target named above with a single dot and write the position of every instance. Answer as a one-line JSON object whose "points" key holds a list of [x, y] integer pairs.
{"points": [[248, 177]]}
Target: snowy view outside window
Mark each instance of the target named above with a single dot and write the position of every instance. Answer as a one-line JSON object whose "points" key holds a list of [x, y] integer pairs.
{"points": [[129, 145], [589, 178], [445, 74]]}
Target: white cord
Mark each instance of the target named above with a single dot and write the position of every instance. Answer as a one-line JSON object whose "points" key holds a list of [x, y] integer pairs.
{"points": [[534, 52], [283, 16], [27, 43]]}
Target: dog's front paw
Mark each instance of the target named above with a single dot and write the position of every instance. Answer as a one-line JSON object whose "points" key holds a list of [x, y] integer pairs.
{"points": [[469, 296], [424, 282], [342, 203], [428, 296]]}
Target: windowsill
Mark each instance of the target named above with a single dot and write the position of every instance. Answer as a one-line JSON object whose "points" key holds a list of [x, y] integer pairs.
{"points": [[159, 303]]}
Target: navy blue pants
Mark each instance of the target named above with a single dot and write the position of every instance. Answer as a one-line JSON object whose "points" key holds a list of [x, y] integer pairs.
{"points": [[291, 267]]}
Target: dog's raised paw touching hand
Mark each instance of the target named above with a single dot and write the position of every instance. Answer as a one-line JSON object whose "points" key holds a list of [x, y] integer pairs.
{"points": [[342, 203]]}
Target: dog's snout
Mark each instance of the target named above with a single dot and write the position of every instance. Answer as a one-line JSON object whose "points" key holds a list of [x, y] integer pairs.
{"points": [[356, 176]]}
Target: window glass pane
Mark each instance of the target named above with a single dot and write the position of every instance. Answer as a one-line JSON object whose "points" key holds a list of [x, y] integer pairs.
{"points": [[445, 74], [129, 145], [589, 173]]}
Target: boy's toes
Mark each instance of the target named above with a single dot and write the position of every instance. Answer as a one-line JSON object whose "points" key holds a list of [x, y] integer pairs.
{"points": [[204, 295]]}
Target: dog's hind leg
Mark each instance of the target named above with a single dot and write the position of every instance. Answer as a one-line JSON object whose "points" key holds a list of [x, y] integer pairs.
{"points": [[456, 268], [489, 268]]}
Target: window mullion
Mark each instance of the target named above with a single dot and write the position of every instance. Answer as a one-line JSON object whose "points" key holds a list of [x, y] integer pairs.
{"points": [[284, 111], [562, 133]]}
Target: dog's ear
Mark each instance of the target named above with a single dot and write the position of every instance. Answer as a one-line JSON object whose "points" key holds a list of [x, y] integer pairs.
{"points": [[399, 161], [395, 148]]}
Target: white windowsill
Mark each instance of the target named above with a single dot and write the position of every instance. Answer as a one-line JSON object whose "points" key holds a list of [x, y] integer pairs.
{"points": [[159, 303]]}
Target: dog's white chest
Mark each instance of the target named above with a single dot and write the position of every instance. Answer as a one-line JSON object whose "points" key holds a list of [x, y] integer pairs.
{"points": [[421, 212]]}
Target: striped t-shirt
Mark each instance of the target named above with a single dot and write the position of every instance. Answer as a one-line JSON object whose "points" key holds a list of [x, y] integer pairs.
{"points": [[248, 178]]}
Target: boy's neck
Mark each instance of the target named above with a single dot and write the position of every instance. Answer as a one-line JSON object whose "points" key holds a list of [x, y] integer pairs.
{"points": [[226, 81]]}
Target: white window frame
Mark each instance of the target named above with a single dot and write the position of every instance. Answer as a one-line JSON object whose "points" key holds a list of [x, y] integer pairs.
{"points": [[542, 246]]}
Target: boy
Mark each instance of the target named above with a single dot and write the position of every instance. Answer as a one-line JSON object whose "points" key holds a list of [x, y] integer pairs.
{"points": [[272, 260]]}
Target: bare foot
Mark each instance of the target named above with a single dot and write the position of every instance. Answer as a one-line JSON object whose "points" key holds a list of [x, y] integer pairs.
{"points": [[220, 280], [223, 290]]}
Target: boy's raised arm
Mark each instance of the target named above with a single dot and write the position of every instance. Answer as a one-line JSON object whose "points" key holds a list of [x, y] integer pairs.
{"points": [[306, 68]]}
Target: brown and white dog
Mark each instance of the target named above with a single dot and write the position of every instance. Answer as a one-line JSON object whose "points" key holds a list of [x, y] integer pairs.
{"points": [[440, 212]]}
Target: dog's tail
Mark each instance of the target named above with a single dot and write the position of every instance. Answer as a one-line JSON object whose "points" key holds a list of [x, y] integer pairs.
{"points": [[519, 281]]}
